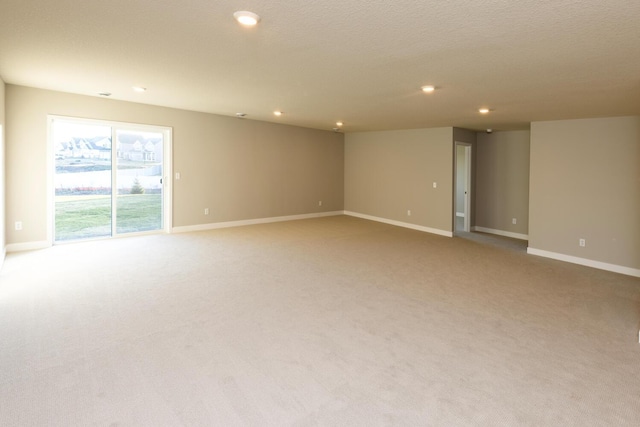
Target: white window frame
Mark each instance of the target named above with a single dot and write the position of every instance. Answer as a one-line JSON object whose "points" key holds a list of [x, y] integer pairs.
{"points": [[167, 153]]}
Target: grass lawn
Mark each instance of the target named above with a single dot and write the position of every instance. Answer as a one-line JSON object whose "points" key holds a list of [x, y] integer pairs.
{"points": [[83, 217]]}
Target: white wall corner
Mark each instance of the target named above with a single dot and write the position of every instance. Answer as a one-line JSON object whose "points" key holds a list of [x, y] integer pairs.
{"points": [[586, 262], [229, 224]]}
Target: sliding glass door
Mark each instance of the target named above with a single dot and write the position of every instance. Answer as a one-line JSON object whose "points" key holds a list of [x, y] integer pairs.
{"points": [[108, 179]]}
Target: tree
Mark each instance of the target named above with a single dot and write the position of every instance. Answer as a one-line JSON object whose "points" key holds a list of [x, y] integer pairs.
{"points": [[137, 188]]}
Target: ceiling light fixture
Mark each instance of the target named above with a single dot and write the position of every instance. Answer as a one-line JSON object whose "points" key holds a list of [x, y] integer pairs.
{"points": [[104, 94], [246, 18], [278, 113], [428, 89], [241, 115], [139, 89], [484, 111], [339, 123]]}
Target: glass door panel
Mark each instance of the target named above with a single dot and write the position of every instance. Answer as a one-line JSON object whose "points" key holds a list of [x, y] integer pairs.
{"points": [[105, 188], [82, 180], [138, 179]]}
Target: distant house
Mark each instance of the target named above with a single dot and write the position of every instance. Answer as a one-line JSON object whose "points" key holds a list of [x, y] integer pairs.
{"points": [[83, 148], [148, 151]]}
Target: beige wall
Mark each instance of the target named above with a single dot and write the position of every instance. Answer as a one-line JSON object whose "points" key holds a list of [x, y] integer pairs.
{"points": [[585, 183], [502, 181], [2, 171], [239, 169], [390, 172]]}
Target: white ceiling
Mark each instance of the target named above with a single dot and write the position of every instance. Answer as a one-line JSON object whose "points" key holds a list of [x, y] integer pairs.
{"points": [[362, 62]]}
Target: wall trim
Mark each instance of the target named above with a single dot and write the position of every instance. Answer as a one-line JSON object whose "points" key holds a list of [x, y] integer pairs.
{"points": [[28, 246], [586, 262], [229, 224], [401, 224], [501, 233]]}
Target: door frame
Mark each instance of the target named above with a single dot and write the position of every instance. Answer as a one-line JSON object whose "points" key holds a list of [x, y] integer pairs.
{"points": [[467, 176], [167, 156]]}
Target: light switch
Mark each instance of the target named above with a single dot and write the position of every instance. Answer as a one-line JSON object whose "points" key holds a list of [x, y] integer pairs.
{"points": [[435, 184], [177, 176]]}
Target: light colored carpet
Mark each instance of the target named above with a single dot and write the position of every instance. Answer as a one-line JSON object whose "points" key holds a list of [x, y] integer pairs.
{"points": [[331, 321]]}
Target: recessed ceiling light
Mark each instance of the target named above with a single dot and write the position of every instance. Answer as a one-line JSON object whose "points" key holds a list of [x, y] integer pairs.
{"points": [[484, 111], [278, 113], [428, 89], [339, 123], [139, 89], [246, 18]]}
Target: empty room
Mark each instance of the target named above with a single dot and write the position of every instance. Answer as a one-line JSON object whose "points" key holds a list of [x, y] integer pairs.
{"points": [[336, 213]]}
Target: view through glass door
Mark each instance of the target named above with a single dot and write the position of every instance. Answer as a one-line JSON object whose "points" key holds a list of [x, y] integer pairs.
{"points": [[104, 188], [138, 179]]}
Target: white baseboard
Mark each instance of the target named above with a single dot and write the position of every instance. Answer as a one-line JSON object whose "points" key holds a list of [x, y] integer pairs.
{"points": [[401, 224], [586, 262], [28, 246], [228, 224], [501, 233]]}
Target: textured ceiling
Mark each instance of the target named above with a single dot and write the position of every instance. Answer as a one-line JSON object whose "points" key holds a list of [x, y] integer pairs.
{"points": [[362, 62]]}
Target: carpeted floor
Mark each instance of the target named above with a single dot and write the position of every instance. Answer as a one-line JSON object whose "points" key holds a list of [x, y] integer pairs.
{"points": [[331, 321]]}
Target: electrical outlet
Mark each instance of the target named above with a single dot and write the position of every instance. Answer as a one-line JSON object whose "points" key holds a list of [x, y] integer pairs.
{"points": [[514, 221], [582, 243], [206, 211], [18, 225], [409, 213], [435, 184], [319, 202]]}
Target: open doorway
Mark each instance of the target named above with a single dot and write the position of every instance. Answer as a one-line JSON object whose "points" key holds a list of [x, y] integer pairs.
{"points": [[462, 196], [109, 179]]}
